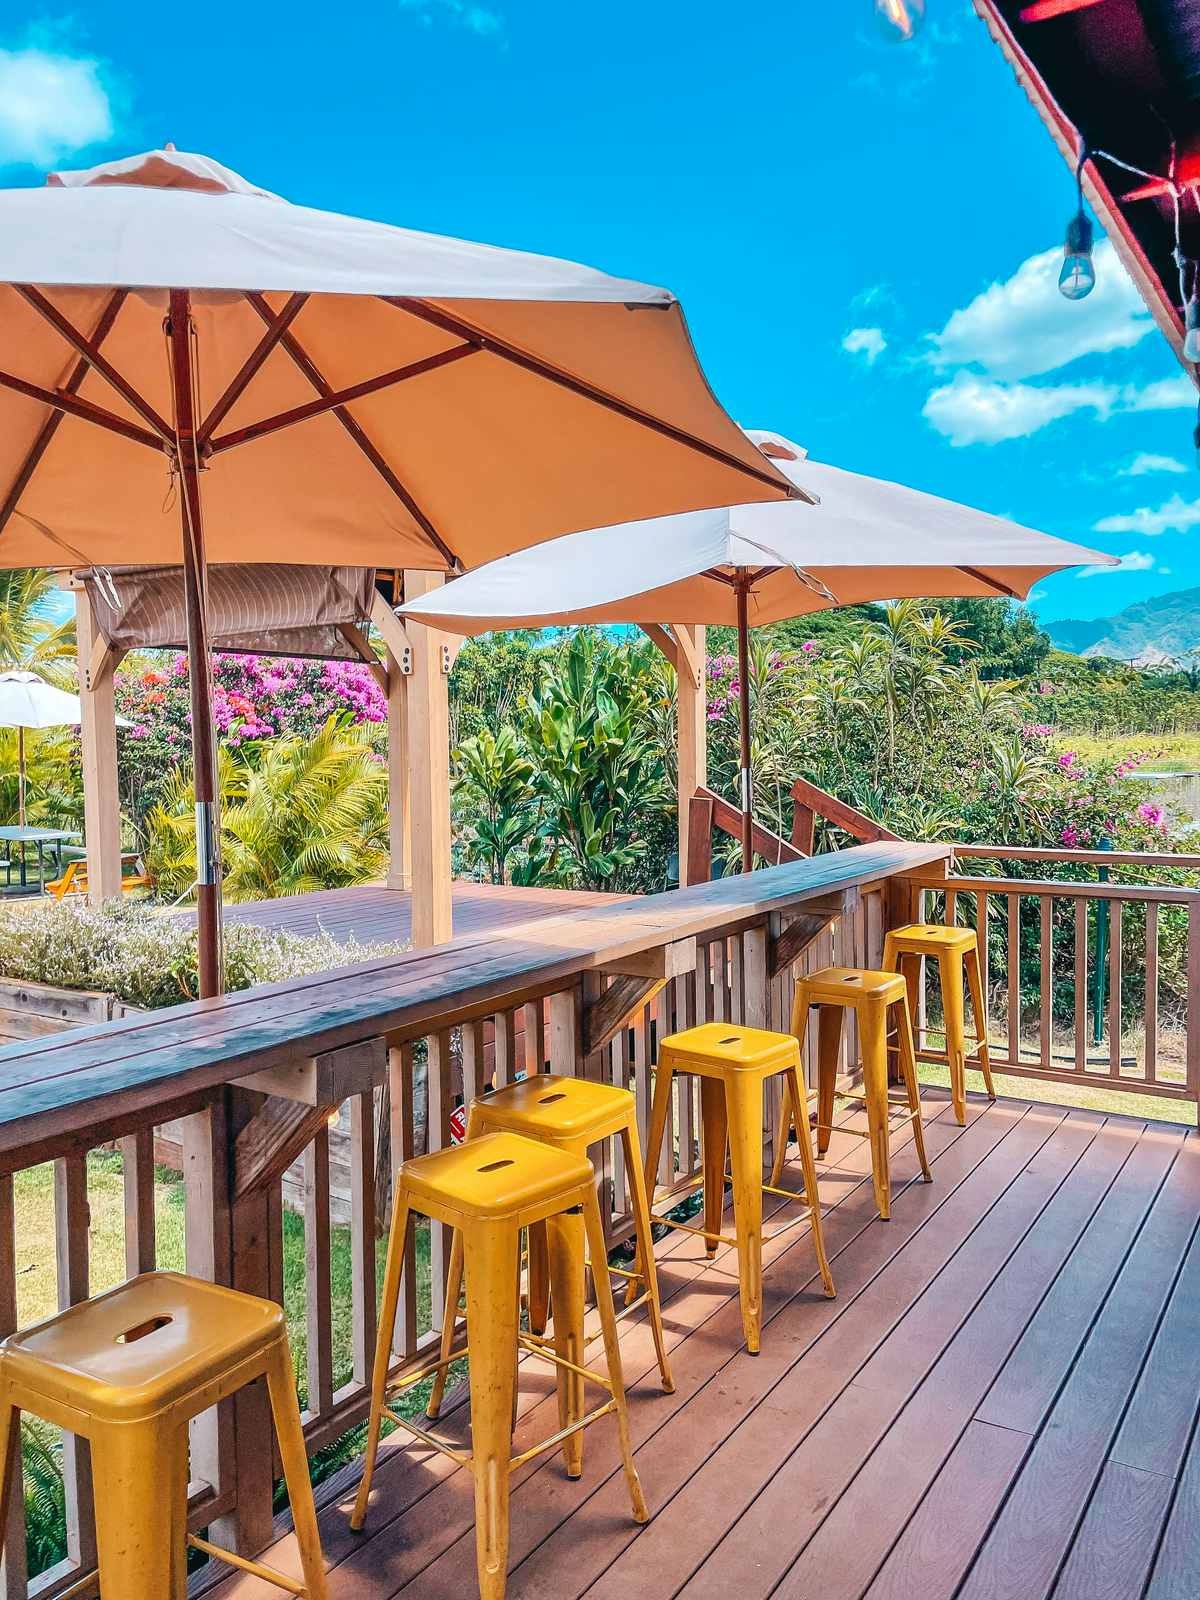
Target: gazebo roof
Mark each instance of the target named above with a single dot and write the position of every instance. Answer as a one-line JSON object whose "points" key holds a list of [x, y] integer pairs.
{"points": [[1123, 76], [320, 612]]}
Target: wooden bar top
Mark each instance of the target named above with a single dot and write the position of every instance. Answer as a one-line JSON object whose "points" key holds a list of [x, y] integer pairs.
{"points": [[82, 1084]]}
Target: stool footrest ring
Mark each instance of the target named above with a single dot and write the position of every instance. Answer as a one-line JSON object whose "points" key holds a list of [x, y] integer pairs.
{"points": [[255, 1568]]}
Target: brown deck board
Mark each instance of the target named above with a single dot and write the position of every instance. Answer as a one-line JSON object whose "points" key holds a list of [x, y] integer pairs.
{"points": [[860, 1456]]}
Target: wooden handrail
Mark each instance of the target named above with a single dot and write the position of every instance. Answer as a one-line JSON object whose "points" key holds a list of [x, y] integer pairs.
{"points": [[1083, 858], [856, 823], [709, 811]]}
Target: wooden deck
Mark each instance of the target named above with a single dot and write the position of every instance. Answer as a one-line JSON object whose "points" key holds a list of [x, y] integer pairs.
{"points": [[370, 913], [1000, 1404]]}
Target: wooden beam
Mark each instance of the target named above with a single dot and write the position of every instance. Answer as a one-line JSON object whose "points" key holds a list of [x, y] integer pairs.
{"points": [[689, 648], [663, 961], [428, 764], [766, 844], [392, 629], [663, 638], [98, 738], [325, 1080], [614, 1007], [698, 860], [275, 1136], [363, 649], [798, 933], [856, 823]]}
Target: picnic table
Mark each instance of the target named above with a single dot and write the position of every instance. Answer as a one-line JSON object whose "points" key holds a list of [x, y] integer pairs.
{"points": [[41, 837]]}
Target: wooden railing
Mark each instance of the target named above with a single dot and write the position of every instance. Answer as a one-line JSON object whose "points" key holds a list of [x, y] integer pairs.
{"points": [[257, 1077]]}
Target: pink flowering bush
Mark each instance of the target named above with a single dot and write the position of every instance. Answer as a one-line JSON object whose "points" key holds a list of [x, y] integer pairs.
{"points": [[255, 698]]}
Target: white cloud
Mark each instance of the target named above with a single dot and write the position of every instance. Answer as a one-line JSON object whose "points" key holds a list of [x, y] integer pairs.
{"points": [[51, 104], [1176, 515], [1134, 561], [1144, 464], [868, 342], [482, 20], [974, 410], [1022, 326]]}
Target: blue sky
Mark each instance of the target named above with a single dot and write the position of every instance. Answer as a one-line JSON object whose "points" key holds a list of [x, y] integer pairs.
{"points": [[864, 236]]}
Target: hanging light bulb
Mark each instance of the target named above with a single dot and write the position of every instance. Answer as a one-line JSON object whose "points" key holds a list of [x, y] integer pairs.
{"points": [[899, 20], [1191, 338], [1078, 276]]}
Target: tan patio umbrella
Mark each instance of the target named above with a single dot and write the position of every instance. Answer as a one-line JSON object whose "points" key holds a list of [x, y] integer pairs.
{"points": [[863, 539], [180, 349]]}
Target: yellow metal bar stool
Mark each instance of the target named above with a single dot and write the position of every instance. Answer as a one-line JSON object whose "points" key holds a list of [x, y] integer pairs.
{"points": [[956, 951], [571, 1114], [127, 1371], [733, 1064], [489, 1189], [870, 995]]}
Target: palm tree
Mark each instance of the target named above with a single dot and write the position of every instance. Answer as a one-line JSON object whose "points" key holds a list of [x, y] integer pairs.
{"points": [[28, 638]]}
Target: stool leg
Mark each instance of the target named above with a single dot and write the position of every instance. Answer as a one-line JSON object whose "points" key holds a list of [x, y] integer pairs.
{"points": [[138, 1480], [714, 1120], [564, 1239], [659, 1112], [612, 1351], [285, 1413], [829, 1049], [872, 1032], [975, 984], [744, 1104], [454, 1277], [383, 1348], [950, 974], [808, 1167], [492, 1321], [908, 1067], [645, 1263], [538, 1279]]}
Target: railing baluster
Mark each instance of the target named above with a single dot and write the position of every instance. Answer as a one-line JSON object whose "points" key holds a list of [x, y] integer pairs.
{"points": [[506, 1048], [318, 1291], [362, 1227], [403, 1118], [718, 967], [1193, 1000], [1046, 985], [13, 1570], [1151, 1005], [137, 1162], [1114, 989], [531, 1016], [1014, 977], [72, 1220], [1081, 984]]}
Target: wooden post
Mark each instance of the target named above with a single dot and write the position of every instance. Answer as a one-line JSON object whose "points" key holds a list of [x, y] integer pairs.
{"points": [[691, 738], [429, 772], [98, 735], [398, 665]]}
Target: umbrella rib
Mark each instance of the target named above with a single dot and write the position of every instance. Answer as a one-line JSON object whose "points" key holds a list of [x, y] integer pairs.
{"points": [[991, 583], [61, 400], [358, 434], [89, 352], [588, 391], [338, 397], [51, 425], [275, 331]]}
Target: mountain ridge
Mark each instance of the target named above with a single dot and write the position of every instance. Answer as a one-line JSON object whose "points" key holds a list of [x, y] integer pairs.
{"points": [[1161, 628]]}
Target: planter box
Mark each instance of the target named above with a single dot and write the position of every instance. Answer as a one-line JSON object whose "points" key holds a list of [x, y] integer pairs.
{"points": [[32, 1010]]}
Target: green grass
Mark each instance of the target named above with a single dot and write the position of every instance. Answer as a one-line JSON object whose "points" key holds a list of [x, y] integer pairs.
{"points": [[1169, 752], [1146, 1107], [37, 1298]]}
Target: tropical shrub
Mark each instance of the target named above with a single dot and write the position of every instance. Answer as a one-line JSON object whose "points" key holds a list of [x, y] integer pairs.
{"points": [[256, 699], [148, 959], [297, 814]]}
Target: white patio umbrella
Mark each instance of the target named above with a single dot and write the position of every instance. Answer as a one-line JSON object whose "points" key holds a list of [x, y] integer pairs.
{"points": [[27, 701], [187, 354], [864, 539]]}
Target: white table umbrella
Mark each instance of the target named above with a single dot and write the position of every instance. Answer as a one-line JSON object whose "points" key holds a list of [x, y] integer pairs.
{"points": [[181, 347], [745, 565], [27, 701]]}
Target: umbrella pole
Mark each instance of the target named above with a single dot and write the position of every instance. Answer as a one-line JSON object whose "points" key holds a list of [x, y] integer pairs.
{"points": [[21, 776], [208, 872], [746, 792]]}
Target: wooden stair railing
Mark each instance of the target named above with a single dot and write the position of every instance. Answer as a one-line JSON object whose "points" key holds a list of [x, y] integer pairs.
{"points": [[708, 811]]}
